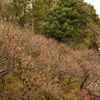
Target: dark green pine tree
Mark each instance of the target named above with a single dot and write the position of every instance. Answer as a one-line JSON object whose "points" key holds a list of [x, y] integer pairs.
{"points": [[68, 19], [63, 20]]}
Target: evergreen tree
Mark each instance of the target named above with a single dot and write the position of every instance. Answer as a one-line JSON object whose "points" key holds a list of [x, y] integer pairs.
{"points": [[70, 19], [63, 20]]}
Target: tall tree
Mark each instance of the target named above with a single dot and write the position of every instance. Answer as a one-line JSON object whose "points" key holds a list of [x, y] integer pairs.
{"points": [[70, 19], [30, 12], [39, 12]]}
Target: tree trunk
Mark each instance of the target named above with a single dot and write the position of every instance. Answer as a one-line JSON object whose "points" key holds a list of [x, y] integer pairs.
{"points": [[33, 26], [3, 83]]}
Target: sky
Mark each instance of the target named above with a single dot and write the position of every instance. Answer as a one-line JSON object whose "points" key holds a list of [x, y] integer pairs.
{"points": [[96, 4]]}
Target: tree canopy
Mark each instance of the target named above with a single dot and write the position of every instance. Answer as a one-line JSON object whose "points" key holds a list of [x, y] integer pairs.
{"points": [[65, 20], [71, 19]]}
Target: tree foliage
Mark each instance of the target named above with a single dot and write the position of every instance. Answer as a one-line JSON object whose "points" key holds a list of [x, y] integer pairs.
{"points": [[70, 19], [25, 12]]}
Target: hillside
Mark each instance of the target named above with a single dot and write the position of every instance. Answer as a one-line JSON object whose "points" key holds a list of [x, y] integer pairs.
{"points": [[33, 67]]}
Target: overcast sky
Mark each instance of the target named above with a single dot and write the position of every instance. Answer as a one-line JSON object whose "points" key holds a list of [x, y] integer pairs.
{"points": [[96, 4]]}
